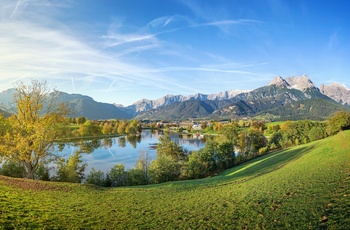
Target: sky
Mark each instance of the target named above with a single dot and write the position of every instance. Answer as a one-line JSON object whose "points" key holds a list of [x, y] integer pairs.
{"points": [[120, 51]]}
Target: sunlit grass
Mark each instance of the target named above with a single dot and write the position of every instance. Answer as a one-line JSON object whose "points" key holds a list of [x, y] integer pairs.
{"points": [[306, 187]]}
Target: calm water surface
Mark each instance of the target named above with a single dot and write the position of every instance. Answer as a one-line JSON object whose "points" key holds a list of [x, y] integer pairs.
{"points": [[105, 153]]}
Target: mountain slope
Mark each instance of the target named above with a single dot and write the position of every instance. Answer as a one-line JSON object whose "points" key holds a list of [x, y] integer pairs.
{"points": [[86, 106], [313, 109], [278, 93], [80, 106]]}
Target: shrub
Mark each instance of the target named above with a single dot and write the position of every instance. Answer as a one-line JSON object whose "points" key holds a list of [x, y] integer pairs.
{"points": [[263, 150], [96, 177], [13, 169]]}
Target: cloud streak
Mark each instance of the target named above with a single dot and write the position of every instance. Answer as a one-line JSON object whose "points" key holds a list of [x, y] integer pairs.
{"points": [[49, 49]]}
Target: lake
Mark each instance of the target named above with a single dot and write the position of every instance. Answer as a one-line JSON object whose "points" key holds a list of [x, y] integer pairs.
{"points": [[103, 154]]}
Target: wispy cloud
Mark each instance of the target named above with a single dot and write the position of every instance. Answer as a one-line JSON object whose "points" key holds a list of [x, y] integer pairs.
{"points": [[209, 16], [32, 48], [36, 44]]}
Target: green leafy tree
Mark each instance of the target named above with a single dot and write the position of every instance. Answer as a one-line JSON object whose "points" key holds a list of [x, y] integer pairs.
{"points": [[230, 132], [118, 175], [317, 133], [275, 140], [225, 155], [208, 154], [250, 141], [167, 147], [37, 122], [136, 177], [164, 169], [195, 167], [337, 122], [71, 170], [96, 177]]}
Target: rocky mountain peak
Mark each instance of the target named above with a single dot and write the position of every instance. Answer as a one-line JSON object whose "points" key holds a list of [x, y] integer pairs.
{"points": [[300, 82], [337, 92], [279, 81]]}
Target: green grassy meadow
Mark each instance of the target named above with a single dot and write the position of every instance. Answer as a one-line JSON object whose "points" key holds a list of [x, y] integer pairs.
{"points": [[305, 187]]}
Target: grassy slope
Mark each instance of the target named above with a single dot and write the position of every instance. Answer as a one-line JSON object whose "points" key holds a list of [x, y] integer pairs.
{"points": [[303, 187]]}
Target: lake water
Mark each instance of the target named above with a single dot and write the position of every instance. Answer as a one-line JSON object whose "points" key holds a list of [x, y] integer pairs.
{"points": [[105, 153]]}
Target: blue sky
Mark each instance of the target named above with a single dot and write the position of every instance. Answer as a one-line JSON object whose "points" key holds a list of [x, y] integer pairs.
{"points": [[119, 51]]}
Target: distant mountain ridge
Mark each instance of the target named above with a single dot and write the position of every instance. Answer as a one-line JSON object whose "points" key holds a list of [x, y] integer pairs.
{"points": [[276, 99], [80, 105], [278, 93], [145, 104]]}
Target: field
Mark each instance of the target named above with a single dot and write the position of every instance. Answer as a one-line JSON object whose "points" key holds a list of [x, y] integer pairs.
{"points": [[305, 187]]}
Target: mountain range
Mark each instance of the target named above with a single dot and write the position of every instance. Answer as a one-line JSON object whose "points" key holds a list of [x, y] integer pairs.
{"points": [[295, 97], [273, 101]]}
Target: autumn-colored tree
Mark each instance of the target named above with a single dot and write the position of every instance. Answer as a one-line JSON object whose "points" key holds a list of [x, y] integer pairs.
{"points": [[37, 121]]}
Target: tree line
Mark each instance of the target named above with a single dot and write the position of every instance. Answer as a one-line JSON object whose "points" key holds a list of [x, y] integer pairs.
{"points": [[82, 127]]}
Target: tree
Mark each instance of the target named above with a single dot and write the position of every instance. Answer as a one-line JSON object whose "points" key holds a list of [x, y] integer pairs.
{"points": [[195, 167], [107, 129], [80, 120], [118, 175], [230, 133], [208, 154], [167, 147], [142, 164], [317, 133], [164, 169], [225, 155], [135, 177], [71, 170], [37, 121], [122, 127], [275, 140], [96, 177], [339, 121], [204, 125]]}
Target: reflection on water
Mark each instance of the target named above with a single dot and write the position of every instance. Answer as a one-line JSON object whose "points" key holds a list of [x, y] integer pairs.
{"points": [[103, 154]]}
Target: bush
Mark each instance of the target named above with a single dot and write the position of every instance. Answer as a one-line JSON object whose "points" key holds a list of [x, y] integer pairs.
{"points": [[42, 173], [13, 169], [263, 150], [118, 176], [96, 178], [136, 177]]}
